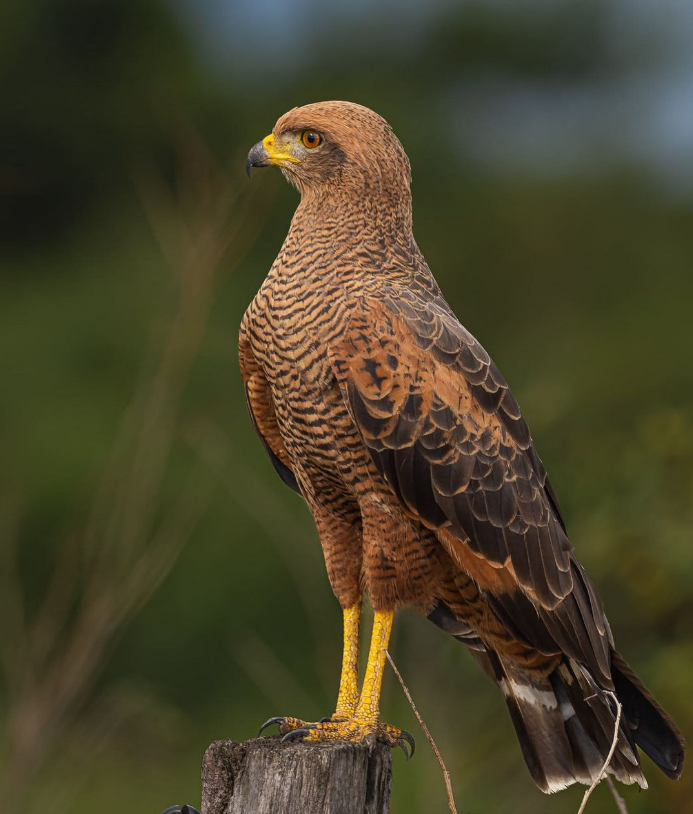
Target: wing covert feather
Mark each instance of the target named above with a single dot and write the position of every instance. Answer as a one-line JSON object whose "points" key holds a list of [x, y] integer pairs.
{"points": [[447, 435]]}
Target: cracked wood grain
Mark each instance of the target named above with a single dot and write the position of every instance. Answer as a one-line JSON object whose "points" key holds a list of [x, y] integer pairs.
{"points": [[266, 776]]}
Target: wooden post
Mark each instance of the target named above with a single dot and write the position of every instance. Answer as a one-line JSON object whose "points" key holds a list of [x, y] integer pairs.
{"points": [[266, 776]]}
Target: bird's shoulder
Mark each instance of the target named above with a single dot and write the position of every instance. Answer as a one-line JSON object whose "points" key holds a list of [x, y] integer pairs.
{"points": [[412, 319], [407, 358]]}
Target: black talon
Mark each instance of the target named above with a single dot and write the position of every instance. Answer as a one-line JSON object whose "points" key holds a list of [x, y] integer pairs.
{"points": [[327, 720], [405, 736], [295, 733], [181, 810], [276, 720], [401, 745]]}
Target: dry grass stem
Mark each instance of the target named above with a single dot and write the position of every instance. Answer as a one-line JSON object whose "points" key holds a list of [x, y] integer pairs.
{"points": [[602, 773], [282, 530], [620, 802], [429, 737], [269, 673], [134, 530]]}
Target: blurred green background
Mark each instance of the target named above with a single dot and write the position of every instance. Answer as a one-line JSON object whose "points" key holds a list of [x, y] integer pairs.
{"points": [[159, 587]]}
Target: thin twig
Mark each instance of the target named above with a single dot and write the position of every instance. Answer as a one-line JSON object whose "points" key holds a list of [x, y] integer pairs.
{"points": [[602, 773], [620, 802], [429, 737]]}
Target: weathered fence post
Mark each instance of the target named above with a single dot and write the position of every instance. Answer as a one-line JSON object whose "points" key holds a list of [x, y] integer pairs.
{"points": [[266, 776]]}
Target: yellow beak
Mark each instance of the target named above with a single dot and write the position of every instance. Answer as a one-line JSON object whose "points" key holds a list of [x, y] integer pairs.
{"points": [[277, 156], [265, 153]]}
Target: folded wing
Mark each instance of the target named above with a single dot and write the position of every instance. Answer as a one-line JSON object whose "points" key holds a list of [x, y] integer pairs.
{"points": [[447, 435]]}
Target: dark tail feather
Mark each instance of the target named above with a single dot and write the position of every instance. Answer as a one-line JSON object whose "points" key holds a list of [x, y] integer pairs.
{"points": [[565, 726], [565, 722], [652, 729], [591, 725]]}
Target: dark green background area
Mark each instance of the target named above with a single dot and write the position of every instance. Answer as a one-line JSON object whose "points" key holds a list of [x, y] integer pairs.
{"points": [[578, 283]]}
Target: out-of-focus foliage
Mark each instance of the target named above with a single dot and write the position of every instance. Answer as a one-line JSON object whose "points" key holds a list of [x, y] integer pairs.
{"points": [[578, 283]]}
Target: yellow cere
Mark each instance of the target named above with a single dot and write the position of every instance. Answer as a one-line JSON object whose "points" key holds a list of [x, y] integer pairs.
{"points": [[276, 155]]}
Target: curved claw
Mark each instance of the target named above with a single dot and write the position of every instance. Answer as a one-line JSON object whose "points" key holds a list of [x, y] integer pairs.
{"points": [[327, 720], [186, 809], [276, 720], [295, 734], [405, 737]]}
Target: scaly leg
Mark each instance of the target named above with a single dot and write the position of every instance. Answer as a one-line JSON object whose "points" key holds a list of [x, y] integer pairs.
{"points": [[368, 707], [364, 724], [348, 696]]}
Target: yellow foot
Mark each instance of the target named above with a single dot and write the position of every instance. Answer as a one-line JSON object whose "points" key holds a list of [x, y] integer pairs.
{"points": [[349, 729]]}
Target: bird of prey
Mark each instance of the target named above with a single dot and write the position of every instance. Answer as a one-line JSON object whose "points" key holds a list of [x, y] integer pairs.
{"points": [[390, 419]]}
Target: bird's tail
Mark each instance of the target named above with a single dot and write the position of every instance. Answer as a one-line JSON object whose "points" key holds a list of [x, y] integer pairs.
{"points": [[652, 729], [565, 724]]}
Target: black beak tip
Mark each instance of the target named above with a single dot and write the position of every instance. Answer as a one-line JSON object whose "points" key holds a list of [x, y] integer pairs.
{"points": [[257, 157]]}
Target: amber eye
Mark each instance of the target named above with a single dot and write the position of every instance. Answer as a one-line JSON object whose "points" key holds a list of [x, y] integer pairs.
{"points": [[310, 139]]}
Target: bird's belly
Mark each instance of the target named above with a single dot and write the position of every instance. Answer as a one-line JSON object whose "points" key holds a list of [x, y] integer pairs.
{"points": [[319, 434], [396, 557]]}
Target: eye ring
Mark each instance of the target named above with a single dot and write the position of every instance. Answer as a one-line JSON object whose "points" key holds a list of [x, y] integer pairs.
{"points": [[310, 139]]}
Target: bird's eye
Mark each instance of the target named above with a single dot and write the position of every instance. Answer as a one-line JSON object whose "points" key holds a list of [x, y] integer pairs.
{"points": [[310, 139]]}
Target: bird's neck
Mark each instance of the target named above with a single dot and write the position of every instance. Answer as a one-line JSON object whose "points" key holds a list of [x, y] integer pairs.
{"points": [[369, 216]]}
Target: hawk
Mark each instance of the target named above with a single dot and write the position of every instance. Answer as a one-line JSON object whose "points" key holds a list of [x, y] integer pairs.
{"points": [[391, 421]]}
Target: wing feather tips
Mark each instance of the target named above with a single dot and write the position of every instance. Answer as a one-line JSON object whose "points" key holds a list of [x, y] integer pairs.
{"points": [[284, 472]]}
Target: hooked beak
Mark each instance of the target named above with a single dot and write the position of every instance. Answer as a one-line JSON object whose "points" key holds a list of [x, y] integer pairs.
{"points": [[264, 154]]}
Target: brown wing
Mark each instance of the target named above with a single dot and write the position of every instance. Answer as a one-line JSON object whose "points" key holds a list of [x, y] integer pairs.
{"points": [[447, 435], [258, 397]]}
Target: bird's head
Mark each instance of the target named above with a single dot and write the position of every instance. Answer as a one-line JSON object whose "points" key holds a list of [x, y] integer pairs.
{"points": [[326, 146]]}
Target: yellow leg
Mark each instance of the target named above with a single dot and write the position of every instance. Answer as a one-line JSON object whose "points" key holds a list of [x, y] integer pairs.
{"points": [[368, 707], [355, 720], [349, 682]]}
